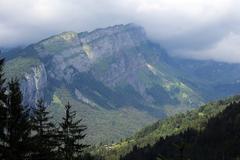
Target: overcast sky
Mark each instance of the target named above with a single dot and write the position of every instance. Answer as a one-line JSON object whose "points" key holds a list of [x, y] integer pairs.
{"points": [[205, 29]]}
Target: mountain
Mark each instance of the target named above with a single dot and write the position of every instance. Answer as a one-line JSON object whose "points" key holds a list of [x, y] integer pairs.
{"points": [[211, 79], [116, 78], [205, 132]]}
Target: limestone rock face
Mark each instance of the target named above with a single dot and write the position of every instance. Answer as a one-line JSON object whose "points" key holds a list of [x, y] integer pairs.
{"points": [[82, 51], [34, 84], [118, 58]]}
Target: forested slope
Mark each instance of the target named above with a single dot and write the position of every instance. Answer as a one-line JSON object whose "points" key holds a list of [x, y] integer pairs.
{"points": [[193, 123]]}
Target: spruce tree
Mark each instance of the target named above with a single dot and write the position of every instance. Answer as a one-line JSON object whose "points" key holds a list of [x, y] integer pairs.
{"points": [[45, 139], [2, 81], [3, 110], [18, 126], [71, 134]]}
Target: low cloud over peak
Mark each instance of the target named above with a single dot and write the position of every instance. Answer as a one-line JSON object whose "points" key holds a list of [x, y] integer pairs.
{"points": [[199, 29]]}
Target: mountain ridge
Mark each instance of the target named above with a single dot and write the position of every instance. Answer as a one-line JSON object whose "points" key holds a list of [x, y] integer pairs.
{"points": [[112, 69]]}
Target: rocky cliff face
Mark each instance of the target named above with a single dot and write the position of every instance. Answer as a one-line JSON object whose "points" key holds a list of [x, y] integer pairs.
{"points": [[118, 57], [82, 51], [33, 84]]}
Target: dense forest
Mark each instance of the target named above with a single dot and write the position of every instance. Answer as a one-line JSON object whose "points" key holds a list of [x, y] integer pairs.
{"points": [[219, 140]]}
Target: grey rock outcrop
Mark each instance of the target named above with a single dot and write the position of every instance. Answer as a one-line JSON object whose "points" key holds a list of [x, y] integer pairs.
{"points": [[34, 84], [81, 51]]}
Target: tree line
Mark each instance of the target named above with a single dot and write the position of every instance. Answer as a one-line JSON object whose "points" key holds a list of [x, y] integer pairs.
{"points": [[28, 133]]}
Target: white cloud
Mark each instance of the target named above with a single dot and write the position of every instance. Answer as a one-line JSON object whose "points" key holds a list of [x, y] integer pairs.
{"points": [[226, 49], [189, 25]]}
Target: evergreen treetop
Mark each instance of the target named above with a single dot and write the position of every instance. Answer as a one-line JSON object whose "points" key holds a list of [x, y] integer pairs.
{"points": [[71, 134]]}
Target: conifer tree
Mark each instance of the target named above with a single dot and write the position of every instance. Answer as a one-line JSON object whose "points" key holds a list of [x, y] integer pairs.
{"points": [[2, 81], [45, 138], [3, 111], [18, 126], [71, 134]]}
